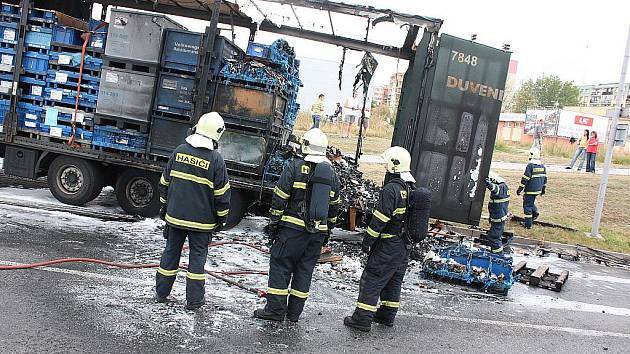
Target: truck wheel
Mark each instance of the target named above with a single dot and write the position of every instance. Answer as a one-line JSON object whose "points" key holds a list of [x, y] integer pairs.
{"points": [[74, 181], [238, 206], [137, 192]]}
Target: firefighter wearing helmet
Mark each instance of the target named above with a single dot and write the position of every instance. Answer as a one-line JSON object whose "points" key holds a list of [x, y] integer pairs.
{"points": [[388, 251], [498, 208], [195, 200], [303, 211], [533, 184]]}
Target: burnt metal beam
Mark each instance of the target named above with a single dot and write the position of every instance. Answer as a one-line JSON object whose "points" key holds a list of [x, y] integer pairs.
{"points": [[354, 44], [177, 11], [296, 17], [432, 24], [412, 34]]}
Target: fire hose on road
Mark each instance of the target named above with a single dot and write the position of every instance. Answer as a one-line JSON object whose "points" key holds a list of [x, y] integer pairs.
{"points": [[221, 275]]}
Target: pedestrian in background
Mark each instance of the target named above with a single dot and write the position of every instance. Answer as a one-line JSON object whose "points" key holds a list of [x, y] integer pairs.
{"points": [[337, 115], [580, 152], [539, 131], [366, 119], [350, 113], [318, 110], [591, 152]]}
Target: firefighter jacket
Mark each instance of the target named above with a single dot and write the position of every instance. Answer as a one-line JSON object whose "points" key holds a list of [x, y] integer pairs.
{"points": [[291, 193], [534, 179], [389, 214], [499, 201], [195, 188]]}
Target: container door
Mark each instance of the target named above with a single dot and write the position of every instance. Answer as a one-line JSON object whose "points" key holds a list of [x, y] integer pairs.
{"points": [[451, 138]]}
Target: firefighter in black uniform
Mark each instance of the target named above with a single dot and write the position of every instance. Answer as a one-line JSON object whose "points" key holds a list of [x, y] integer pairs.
{"points": [[306, 185], [533, 183], [498, 208], [195, 198], [388, 251]]}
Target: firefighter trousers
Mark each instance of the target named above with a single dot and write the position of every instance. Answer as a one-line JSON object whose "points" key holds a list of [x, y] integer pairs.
{"points": [[529, 209], [495, 234], [293, 258], [382, 278], [169, 263]]}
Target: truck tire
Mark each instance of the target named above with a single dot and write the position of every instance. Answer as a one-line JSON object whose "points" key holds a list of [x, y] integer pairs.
{"points": [[137, 192], [73, 180], [238, 207]]}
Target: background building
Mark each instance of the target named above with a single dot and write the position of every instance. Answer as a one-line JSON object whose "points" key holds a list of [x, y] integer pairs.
{"points": [[601, 95]]}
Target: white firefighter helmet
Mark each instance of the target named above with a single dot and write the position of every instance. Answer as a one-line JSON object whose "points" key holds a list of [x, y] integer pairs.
{"points": [[534, 153], [495, 178], [314, 142], [397, 159], [211, 126]]}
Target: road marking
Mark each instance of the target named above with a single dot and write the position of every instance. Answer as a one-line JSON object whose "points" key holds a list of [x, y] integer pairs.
{"points": [[578, 331], [571, 330]]}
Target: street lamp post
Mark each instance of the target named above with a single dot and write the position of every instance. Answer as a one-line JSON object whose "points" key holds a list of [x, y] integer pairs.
{"points": [[611, 143]]}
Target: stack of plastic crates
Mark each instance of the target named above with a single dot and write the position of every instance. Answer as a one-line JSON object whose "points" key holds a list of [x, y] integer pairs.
{"points": [[9, 34]]}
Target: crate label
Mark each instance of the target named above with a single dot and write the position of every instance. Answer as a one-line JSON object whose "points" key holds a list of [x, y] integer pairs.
{"points": [[64, 59], [98, 43], [55, 131], [78, 117], [31, 116], [5, 86], [1, 128], [9, 34], [111, 77], [169, 84], [56, 95], [36, 90], [120, 21], [7, 59], [30, 124], [51, 116], [123, 141], [61, 77]]}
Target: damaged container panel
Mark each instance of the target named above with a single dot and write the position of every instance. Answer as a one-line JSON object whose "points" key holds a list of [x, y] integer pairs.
{"points": [[451, 135]]}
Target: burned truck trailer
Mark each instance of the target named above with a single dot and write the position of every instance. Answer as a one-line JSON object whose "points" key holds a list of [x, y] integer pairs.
{"points": [[448, 117], [449, 132]]}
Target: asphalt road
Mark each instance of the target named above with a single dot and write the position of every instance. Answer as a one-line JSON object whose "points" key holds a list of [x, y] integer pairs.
{"points": [[89, 308]]}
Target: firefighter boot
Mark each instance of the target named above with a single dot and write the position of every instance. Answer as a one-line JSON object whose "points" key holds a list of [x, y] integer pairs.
{"points": [[385, 316], [157, 298], [360, 319], [269, 316], [194, 305]]}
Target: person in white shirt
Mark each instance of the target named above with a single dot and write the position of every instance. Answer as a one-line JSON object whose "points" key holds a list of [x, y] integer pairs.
{"points": [[350, 112]]}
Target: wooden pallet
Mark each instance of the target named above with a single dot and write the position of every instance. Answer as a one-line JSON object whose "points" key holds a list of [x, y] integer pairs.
{"points": [[540, 277]]}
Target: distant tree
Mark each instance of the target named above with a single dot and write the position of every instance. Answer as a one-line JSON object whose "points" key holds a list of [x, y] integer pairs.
{"points": [[545, 92]]}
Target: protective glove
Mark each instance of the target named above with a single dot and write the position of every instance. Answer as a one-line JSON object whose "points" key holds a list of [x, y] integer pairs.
{"points": [[519, 191], [163, 212], [368, 243], [165, 231], [271, 230], [219, 227], [543, 190], [488, 183]]}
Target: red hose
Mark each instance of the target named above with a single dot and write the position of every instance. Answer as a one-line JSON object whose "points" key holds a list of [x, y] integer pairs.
{"points": [[214, 273]]}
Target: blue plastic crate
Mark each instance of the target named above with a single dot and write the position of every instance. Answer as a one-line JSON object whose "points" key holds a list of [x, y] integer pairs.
{"points": [[93, 24], [72, 78], [29, 115], [114, 138], [41, 15], [35, 62], [68, 35], [5, 105], [98, 40], [8, 9], [67, 117], [174, 94], [69, 97], [38, 39], [74, 60], [7, 58], [8, 32], [258, 50]]}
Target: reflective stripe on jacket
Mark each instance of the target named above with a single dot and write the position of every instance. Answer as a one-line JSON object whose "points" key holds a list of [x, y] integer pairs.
{"points": [[499, 203], [291, 191], [534, 178], [195, 188], [388, 216]]}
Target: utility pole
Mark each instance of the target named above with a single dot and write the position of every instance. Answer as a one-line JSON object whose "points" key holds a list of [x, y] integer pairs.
{"points": [[611, 142]]}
